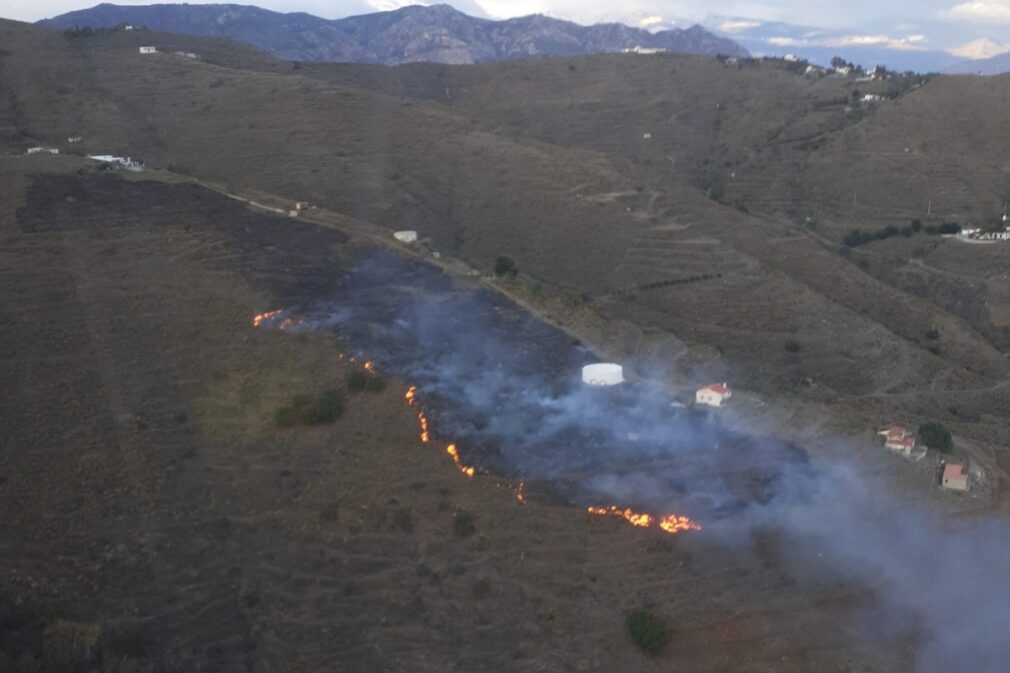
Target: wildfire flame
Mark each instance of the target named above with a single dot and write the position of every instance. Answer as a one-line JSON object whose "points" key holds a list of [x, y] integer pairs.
{"points": [[452, 451], [671, 523], [410, 395], [369, 367], [269, 317], [520, 496], [260, 318], [423, 421]]}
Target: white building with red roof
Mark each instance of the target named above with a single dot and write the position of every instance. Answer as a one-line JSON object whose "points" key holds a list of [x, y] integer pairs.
{"points": [[713, 395]]}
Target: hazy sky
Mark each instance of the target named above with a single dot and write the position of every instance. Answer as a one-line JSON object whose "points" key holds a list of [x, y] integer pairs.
{"points": [[983, 17]]}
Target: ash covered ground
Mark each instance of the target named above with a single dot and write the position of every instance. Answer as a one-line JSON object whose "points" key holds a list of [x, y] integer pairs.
{"points": [[505, 388]]}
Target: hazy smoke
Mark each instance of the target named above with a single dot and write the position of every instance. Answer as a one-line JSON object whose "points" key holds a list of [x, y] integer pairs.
{"points": [[506, 388]]}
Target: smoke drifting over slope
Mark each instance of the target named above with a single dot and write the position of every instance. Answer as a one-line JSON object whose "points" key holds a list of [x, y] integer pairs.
{"points": [[505, 388]]}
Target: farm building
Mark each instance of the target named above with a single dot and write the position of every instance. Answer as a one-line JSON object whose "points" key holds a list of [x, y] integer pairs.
{"points": [[148, 50], [713, 395], [408, 236], [43, 150], [955, 477]]}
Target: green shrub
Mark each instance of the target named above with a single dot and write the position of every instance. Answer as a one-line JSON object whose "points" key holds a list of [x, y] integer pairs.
{"points": [[463, 525], [647, 631], [505, 266], [936, 436], [326, 407], [361, 381]]}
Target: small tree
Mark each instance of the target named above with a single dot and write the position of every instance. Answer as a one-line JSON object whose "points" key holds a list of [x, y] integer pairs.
{"points": [[505, 265], [647, 631], [936, 436]]}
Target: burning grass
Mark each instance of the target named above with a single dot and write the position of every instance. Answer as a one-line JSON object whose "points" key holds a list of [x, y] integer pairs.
{"points": [[670, 523]]}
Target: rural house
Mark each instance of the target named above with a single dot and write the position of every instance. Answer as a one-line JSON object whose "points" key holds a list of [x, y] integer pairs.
{"points": [[713, 395], [148, 50], [955, 477]]}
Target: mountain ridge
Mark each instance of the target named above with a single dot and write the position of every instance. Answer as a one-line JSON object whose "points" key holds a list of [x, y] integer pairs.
{"points": [[436, 33]]}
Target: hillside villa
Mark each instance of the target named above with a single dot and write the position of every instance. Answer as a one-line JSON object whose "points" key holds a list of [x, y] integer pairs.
{"points": [[712, 395], [955, 477]]}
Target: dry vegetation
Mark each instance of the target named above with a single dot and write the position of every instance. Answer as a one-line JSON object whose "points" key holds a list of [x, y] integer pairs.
{"points": [[142, 407]]}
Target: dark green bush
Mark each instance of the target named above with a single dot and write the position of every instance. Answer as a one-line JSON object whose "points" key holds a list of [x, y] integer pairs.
{"points": [[326, 407], [505, 265], [936, 436], [463, 524], [647, 631], [361, 381]]}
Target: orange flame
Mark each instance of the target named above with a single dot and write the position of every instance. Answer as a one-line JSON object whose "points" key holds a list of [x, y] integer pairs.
{"points": [[671, 523], [452, 451], [410, 395], [674, 524], [423, 421], [369, 367], [258, 319], [520, 496]]}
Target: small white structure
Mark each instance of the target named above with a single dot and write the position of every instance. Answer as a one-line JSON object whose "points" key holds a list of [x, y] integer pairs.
{"points": [[872, 98], [127, 27], [125, 162], [713, 395], [603, 374], [148, 50], [638, 49], [185, 54], [792, 58], [955, 477], [43, 150], [74, 139], [408, 236]]}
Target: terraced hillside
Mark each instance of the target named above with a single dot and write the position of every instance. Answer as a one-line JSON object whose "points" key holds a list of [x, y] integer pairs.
{"points": [[548, 162]]}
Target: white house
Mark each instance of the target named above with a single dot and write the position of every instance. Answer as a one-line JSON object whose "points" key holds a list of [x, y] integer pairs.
{"points": [[148, 50], [713, 395], [43, 150], [407, 236], [638, 49], [792, 58], [872, 98], [127, 27]]}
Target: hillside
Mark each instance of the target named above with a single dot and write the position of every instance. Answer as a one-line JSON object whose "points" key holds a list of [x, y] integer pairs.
{"points": [[556, 173], [436, 33], [193, 482]]}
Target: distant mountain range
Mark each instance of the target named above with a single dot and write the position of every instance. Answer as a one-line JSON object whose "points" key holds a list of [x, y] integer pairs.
{"points": [[869, 46], [997, 65], [437, 33]]}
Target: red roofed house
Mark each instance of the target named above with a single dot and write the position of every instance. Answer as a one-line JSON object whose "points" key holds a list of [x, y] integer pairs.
{"points": [[955, 477], [713, 395], [893, 433], [897, 439]]}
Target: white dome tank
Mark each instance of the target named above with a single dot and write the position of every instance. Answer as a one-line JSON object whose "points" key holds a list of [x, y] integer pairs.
{"points": [[603, 374]]}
